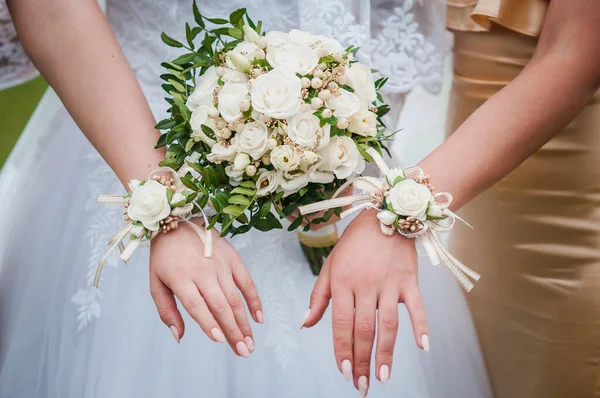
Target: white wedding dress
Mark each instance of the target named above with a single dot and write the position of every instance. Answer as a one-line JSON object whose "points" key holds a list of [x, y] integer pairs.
{"points": [[61, 338]]}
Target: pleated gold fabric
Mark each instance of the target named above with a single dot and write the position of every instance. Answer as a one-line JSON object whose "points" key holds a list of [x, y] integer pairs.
{"points": [[536, 241]]}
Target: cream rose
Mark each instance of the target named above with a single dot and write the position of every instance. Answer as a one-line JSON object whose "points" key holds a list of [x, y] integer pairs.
{"points": [[277, 94], [285, 158], [360, 79], [200, 117], [253, 139], [344, 104], [291, 183], [435, 211], [221, 153], [341, 157], [229, 100], [363, 123], [304, 130], [301, 37], [235, 176], [149, 205], [268, 182], [293, 57], [409, 198], [276, 38], [203, 93], [234, 76], [324, 46]]}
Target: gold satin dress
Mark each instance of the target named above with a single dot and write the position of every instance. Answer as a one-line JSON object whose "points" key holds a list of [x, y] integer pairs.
{"points": [[536, 238]]}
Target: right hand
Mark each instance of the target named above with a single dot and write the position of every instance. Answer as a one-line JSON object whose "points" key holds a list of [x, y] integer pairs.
{"points": [[207, 288]]}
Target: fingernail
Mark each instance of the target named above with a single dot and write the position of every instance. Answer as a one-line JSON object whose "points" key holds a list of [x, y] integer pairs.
{"points": [[175, 333], [425, 342], [363, 387], [217, 335], [249, 343], [306, 315], [384, 374], [242, 349], [260, 317], [347, 369]]}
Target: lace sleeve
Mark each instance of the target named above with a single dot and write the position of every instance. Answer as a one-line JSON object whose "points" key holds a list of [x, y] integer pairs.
{"points": [[403, 39], [15, 67]]}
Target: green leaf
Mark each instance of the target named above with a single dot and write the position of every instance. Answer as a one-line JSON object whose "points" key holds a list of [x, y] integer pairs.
{"points": [[237, 15], [162, 141], [208, 131], [239, 200], [165, 124], [362, 149], [244, 191], [196, 167], [268, 223], [237, 33], [233, 210], [197, 15], [218, 21], [278, 197], [295, 224], [188, 35], [265, 209], [184, 59], [169, 41], [169, 194], [290, 209], [178, 86], [189, 145], [189, 183], [170, 65], [248, 184]]}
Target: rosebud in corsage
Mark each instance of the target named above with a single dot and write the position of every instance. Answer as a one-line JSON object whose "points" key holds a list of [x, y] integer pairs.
{"points": [[409, 198], [149, 205], [387, 217]]}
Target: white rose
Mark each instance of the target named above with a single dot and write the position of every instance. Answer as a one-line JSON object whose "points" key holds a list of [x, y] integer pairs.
{"points": [[253, 139], [308, 158], [341, 157], [229, 100], [203, 92], [326, 45], [138, 230], [293, 182], [268, 182], [387, 217], [435, 211], [305, 131], [241, 161], [318, 176], [250, 34], [238, 61], [344, 104], [293, 57], [393, 174], [149, 205], [277, 94], [235, 176], [285, 158], [221, 153], [244, 49], [133, 184], [234, 76], [409, 198], [301, 37], [200, 117], [360, 79], [363, 123], [276, 38]]}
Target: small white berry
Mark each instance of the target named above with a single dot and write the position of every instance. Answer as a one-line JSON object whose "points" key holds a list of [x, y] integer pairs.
{"points": [[225, 133], [271, 143], [244, 105], [264, 118], [338, 56], [213, 112], [322, 66], [256, 72], [318, 73], [260, 54], [266, 159], [304, 107], [239, 127], [316, 103], [327, 113], [325, 95], [250, 170], [342, 80], [262, 42], [342, 123], [221, 124], [220, 71], [333, 86], [316, 82], [305, 82]]}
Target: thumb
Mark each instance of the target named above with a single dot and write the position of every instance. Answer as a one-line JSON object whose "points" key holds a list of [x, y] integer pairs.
{"points": [[320, 296], [167, 307]]}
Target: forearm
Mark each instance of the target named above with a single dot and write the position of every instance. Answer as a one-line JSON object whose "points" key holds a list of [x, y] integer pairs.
{"points": [[71, 44]]}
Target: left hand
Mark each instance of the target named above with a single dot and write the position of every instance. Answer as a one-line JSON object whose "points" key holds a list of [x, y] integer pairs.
{"points": [[367, 271]]}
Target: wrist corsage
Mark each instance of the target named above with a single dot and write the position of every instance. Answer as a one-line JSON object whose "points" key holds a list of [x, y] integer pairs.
{"points": [[407, 203], [158, 204]]}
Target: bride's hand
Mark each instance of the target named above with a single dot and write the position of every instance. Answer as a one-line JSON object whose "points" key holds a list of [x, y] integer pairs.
{"points": [[367, 271], [207, 288]]}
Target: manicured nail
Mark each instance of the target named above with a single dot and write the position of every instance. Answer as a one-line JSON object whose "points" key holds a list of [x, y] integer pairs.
{"points": [[306, 315], [384, 374], [425, 342], [217, 335], [363, 387], [242, 349], [249, 343], [260, 317], [175, 333], [347, 369]]}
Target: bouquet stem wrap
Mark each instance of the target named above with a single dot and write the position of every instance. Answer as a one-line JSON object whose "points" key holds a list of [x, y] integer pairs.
{"points": [[375, 191], [178, 214]]}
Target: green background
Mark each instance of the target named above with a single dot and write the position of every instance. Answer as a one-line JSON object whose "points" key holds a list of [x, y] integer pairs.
{"points": [[16, 106]]}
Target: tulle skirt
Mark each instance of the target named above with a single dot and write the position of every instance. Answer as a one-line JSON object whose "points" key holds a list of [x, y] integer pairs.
{"points": [[61, 338]]}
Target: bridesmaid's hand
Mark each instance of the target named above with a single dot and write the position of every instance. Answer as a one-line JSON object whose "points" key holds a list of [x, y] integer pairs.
{"points": [[207, 288], [367, 271]]}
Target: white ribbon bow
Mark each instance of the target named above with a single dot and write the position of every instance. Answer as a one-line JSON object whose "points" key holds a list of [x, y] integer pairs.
{"points": [[181, 214], [375, 190]]}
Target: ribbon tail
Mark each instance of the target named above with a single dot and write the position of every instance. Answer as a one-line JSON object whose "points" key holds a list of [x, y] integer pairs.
{"points": [[333, 203], [457, 268], [131, 248], [379, 161], [430, 249], [115, 241]]}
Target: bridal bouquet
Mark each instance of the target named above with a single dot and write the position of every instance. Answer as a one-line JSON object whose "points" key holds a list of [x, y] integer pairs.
{"points": [[279, 120]]}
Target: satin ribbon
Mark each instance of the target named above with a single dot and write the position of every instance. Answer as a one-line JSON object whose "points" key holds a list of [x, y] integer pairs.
{"points": [[181, 214], [374, 192]]}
